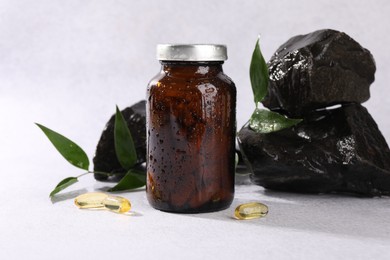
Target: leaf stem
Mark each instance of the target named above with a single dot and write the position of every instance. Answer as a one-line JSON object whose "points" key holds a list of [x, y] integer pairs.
{"points": [[103, 173], [98, 172], [85, 173]]}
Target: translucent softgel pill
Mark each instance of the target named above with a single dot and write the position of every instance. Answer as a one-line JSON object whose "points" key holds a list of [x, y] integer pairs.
{"points": [[117, 204], [99, 200], [251, 210], [91, 200]]}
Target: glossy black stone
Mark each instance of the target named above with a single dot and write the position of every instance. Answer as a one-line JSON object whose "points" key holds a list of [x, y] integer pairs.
{"points": [[339, 150], [105, 159], [317, 70]]}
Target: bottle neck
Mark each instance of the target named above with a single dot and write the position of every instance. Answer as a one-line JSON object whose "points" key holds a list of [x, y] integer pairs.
{"points": [[187, 69]]}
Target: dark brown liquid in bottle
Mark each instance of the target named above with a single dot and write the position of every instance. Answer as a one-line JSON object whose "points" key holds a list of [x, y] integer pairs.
{"points": [[191, 127]]}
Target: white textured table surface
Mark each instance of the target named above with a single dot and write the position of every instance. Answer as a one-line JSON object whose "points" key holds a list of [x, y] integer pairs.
{"points": [[66, 64], [297, 227]]}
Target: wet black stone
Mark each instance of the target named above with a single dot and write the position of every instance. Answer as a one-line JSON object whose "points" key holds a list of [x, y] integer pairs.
{"points": [[105, 159], [317, 70], [339, 150]]}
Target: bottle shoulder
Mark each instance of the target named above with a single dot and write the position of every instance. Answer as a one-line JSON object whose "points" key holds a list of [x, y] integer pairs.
{"points": [[156, 79], [225, 78], [163, 80]]}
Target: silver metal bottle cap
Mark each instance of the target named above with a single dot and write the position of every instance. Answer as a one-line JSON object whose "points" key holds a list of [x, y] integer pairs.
{"points": [[191, 52]]}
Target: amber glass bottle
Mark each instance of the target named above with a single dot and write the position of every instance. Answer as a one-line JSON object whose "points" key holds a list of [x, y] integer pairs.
{"points": [[191, 127]]}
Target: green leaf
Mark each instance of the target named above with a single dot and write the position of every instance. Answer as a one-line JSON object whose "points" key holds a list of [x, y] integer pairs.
{"points": [[265, 121], [67, 148], [258, 73], [124, 145], [63, 184], [132, 180]]}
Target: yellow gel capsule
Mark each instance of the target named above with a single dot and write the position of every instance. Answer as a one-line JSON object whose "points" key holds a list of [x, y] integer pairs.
{"points": [[117, 204], [91, 200], [99, 200], [251, 210]]}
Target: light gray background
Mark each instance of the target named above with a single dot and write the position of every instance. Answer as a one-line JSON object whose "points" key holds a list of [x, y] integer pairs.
{"points": [[80, 58], [66, 64]]}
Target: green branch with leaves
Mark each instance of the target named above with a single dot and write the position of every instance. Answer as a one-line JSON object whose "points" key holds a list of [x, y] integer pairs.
{"points": [[263, 120], [124, 149]]}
